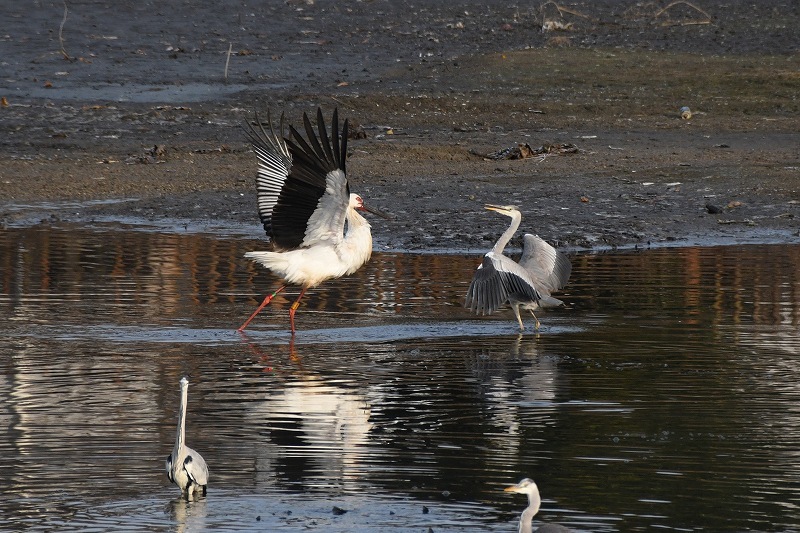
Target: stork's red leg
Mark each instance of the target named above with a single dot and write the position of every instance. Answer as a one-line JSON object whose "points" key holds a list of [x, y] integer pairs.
{"points": [[266, 301], [294, 307]]}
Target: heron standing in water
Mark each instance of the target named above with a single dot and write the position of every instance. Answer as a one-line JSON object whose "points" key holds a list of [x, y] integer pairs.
{"points": [[527, 486], [185, 467], [311, 218], [527, 284]]}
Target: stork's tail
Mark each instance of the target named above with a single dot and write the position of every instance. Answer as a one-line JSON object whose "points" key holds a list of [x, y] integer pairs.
{"points": [[270, 260]]}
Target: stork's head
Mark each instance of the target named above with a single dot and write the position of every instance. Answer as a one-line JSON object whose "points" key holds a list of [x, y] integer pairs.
{"points": [[356, 202]]}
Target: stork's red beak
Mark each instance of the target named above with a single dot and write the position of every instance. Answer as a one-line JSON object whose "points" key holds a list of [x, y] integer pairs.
{"points": [[376, 212]]}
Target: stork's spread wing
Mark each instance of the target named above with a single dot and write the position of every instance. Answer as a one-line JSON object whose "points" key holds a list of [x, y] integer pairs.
{"points": [[323, 157], [549, 268], [274, 165], [496, 280], [302, 186]]}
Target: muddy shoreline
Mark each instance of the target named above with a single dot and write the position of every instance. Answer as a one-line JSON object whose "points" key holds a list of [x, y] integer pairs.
{"points": [[140, 115]]}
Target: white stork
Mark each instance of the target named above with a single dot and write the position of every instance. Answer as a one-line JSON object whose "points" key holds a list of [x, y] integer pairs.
{"points": [[311, 218]]}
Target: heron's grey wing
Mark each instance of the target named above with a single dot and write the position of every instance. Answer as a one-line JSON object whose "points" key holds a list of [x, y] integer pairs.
{"points": [[169, 468], [196, 467], [324, 158], [549, 268], [495, 280]]}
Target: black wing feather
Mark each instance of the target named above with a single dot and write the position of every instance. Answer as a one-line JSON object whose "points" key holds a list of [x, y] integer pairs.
{"points": [[313, 140], [323, 137]]}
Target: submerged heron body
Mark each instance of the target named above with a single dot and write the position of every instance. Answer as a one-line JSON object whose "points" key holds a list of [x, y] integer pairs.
{"points": [[312, 220], [527, 486], [525, 285], [185, 467]]}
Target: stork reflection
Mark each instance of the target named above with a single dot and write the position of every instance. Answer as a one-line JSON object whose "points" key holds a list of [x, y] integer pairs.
{"points": [[312, 428]]}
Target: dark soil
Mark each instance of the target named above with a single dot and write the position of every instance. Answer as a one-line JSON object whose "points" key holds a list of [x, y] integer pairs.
{"points": [[136, 107]]}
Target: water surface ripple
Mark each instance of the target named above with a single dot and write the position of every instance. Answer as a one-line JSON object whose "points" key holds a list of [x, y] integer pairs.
{"points": [[665, 396]]}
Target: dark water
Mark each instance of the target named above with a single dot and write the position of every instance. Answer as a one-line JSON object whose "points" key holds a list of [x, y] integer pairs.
{"points": [[666, 396]]}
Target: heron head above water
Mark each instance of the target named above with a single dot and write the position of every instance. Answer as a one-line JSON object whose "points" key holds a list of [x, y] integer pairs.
{"points": [[507, 210], [526, 486]]}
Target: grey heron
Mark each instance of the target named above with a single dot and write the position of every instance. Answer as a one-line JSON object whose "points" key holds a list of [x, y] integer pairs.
{"points": [[527, 284], [527, 486], [312, 220], [185, 467]]}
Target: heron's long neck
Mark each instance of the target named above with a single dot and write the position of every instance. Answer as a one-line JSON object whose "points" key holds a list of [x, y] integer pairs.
{"points": [[180, 437], [516, 218], [526, 520]]}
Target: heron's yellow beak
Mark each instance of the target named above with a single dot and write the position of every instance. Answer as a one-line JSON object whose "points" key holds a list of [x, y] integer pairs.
{"points": [[500, 208]]}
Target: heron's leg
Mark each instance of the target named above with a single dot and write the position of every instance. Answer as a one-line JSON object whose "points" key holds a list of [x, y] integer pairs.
{"points": [[536, 319], [294, 307], [266, 301], [515, 307]]}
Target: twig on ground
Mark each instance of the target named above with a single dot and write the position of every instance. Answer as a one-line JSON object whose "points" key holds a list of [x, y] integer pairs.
{"points": [[692, 6], [61, 34], [228, 60], [561, 10]]}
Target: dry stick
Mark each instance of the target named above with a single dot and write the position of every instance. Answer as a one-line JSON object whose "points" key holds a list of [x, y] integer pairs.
{"points": [[61, 34], [561, 10], [708, 17], [227, 60]]}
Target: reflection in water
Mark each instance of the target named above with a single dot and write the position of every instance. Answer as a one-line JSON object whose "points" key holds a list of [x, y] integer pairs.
{"points": [[315, 432], [665, 395], [189, 514]]}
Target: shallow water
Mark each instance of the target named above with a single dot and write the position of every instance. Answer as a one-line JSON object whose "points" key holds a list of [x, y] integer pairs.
{"points": [[665, 396]]}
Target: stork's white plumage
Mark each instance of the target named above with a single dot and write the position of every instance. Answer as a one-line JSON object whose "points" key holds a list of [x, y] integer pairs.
{"points": [[305, 204], [528, 284], [185, 467]]}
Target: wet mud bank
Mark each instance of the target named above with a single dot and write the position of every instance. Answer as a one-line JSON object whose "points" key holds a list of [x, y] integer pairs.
{"points": [[141, 122]]}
